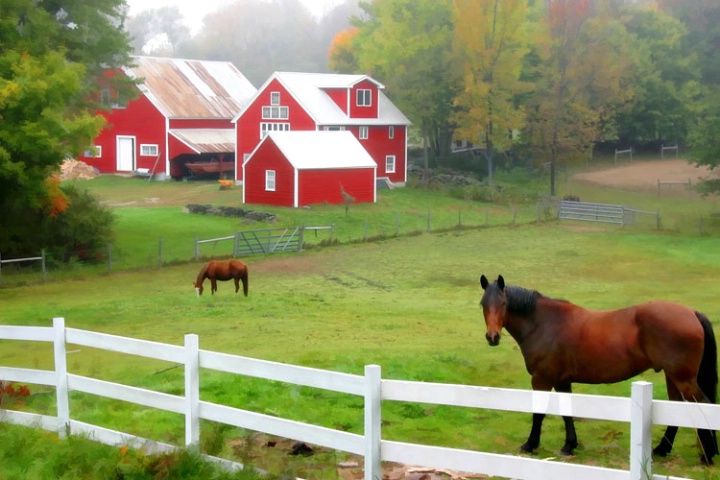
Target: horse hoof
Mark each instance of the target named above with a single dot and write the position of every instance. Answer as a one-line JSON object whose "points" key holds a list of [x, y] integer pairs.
{"points": [[660, 451], [706, 461], [566, 453], [525, 448]]}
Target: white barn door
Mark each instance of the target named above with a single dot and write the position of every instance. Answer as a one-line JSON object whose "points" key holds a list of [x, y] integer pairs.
{"points": [[125, 154]]}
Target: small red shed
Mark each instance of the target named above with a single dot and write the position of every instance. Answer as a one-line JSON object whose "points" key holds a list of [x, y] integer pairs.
{"points": [[300, 168]]}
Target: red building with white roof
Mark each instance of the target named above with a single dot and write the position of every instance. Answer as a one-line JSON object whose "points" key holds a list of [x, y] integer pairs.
{"points": [[183, 115], [300, 168], [324, 103]]}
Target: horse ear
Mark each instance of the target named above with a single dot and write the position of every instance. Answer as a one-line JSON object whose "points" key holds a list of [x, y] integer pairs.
{"points": [[501, 282], [483, 282]]}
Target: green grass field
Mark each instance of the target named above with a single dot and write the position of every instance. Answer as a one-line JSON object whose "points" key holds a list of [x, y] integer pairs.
{"points": [[408, 304]]}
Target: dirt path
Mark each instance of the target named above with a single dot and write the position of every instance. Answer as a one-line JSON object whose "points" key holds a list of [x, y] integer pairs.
{"points": [[645, 175]]}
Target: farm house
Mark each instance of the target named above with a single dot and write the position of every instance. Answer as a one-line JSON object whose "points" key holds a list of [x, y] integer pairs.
{"points": [[180, 125], [328, 102], [296, 169]]}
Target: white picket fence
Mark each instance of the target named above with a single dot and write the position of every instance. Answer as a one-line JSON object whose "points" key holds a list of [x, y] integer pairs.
{"points": [[641, 411]]}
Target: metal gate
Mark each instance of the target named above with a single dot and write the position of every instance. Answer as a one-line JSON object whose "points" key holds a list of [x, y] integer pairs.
{"points": [[268, 241]]}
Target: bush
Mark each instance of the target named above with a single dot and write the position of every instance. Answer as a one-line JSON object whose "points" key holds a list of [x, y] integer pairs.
{"points": [[79, 230], [83, 230]]}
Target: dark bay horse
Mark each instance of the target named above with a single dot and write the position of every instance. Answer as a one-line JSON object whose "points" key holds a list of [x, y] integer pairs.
{"points": [[563, 343], [217, 270]]}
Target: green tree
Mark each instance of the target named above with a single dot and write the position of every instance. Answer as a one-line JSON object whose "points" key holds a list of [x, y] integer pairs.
{"points": [[666, 79], [704, 140], [582, 77], [490, 44], [50, 59], [407, 45]]}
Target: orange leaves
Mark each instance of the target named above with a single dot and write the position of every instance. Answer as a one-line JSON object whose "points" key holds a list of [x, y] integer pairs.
{"points": [[9, 390], [57, 200]]}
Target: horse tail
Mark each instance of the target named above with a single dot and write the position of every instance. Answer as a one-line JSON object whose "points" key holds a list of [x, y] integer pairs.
{"points": [[707, 381], [245, 280], [708, 374]]}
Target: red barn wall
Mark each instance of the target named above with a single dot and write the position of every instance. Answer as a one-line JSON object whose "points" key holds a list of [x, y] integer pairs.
{"points": [[140, 119], [248, 125], [269, 157], [340, 97], [379, 144], [321, 186]]}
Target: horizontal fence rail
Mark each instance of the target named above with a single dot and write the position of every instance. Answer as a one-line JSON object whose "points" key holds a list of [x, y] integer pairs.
{"points": [[640, 411], [602, 213]]}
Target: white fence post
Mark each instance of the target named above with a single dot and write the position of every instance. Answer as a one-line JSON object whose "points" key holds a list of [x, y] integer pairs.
{"points": [[373, 402], [192, 390], [61, 380], [641, 431]]}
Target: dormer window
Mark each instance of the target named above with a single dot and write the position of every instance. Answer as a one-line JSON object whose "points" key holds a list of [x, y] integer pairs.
{"points": [[274, 98], [364, 97]]}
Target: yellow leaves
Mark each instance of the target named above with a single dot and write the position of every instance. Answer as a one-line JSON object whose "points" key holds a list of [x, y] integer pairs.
{"points": [[491, 43]]}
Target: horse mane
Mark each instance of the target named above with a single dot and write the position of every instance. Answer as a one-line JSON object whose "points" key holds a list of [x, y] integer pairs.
{"points": [[521, 301], [203, 274]]}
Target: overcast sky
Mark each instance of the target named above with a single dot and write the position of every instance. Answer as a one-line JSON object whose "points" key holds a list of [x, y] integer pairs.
{"points": [[195, 10]]}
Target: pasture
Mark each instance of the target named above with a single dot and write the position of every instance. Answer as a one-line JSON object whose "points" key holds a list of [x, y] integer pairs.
{"points": [[408, 304]]}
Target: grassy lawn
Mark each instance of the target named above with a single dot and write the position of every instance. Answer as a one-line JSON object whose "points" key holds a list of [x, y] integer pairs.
{"points": [[408, 304]]}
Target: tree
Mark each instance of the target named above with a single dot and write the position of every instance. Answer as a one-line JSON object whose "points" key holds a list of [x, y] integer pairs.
{"points": [[407, 45], [666, 79], [581, 78], [261, 37], [49, 61], [491, 41], [158, 32]]}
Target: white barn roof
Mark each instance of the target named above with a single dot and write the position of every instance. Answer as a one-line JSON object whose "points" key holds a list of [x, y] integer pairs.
{"points": [[313, 150], [190, 89], [307, 89]]}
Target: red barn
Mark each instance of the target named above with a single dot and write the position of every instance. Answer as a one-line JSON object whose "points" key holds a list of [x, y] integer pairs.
{"points": [[327, 102], [183, 115], [295, 169]]}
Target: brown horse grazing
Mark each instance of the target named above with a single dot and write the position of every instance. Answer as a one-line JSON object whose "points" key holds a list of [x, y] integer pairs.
{"points": [[216, 270], [563, 343]]}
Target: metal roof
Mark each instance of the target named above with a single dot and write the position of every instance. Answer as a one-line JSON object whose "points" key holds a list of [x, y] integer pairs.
{"points": [[308, 91], [313, 150], [192, 89], [206, 140]]}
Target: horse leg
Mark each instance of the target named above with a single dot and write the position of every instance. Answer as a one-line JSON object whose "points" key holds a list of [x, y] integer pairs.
{"points": [[666, 443], [570, 435], [237, 284], [533, 440], [691, 392], [213, 288]]}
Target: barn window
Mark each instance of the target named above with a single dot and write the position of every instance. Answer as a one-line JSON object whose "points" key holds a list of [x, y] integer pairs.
{"points": [[363, 133], [333, 129], [274, 98], [364, 97], [270, 180], [93, 152], [147, 150], [391, 132], [105, 96], [266, 127], [390, 164], [275, 113]]}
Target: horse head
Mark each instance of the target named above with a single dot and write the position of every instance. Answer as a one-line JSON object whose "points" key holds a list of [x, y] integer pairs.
{"points": [[494, 305], [198, 287]]}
